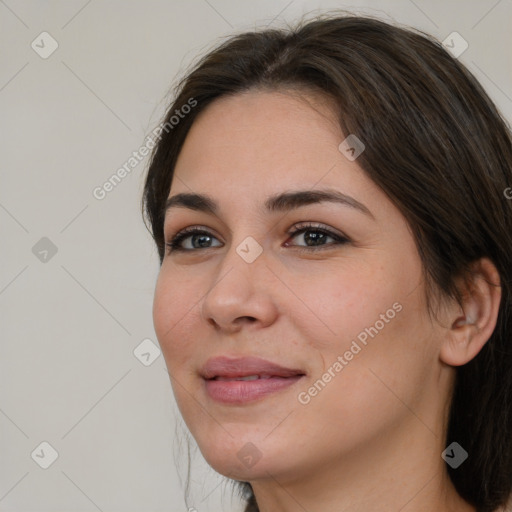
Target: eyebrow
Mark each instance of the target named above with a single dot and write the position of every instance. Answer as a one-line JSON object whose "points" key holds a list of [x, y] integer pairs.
{"points": [[278, 203]]}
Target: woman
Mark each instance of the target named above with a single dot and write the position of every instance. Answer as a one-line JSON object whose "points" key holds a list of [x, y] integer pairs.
{"points": [[333, 302]]}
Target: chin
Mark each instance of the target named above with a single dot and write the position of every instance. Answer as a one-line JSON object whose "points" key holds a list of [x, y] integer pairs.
{"points": [[246, 458]]}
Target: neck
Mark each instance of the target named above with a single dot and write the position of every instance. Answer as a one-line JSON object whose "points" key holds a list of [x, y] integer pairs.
{"points": [[388, 473]]}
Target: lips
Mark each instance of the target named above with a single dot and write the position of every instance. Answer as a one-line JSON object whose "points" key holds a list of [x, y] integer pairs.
{"points": [[241, 380], [225, 368]]}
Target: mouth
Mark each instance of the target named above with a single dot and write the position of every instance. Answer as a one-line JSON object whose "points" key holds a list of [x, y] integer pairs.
{"points": [[246, 378], [242, 380]]}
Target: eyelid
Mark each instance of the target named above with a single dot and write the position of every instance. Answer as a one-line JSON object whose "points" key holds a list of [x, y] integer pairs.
{"points": [[188, 229], [305, 225], [297, 229]]}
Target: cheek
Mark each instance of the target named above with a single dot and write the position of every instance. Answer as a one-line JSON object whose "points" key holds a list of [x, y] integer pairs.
{"points": [[375, 314], [345, 301], [175, 310], [383, 336], [173, 313]]}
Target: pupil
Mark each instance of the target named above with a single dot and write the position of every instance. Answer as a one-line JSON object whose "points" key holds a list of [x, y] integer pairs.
{"points": [[202, 238], [315, 237]]}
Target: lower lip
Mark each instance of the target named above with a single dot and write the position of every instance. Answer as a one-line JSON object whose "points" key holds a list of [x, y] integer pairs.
{"points": [[243, 391]]}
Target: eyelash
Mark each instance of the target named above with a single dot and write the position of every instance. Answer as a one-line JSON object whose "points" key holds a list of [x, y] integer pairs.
{"points": [[174, 244]]}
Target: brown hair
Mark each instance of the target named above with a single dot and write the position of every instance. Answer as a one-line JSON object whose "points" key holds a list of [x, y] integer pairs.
{"points": [[435, 144]]}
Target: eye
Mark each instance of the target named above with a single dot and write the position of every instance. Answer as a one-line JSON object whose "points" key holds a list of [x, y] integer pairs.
{"points": [[192, 233], [313, 236]]}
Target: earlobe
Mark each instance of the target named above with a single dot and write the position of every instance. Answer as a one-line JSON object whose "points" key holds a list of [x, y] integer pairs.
{"points": [[471, 328]]}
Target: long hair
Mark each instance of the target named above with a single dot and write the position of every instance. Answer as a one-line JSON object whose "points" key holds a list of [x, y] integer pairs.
{"points": [[435, 144]]}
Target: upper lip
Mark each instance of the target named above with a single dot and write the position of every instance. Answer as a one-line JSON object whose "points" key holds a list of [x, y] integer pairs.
{"points": [[229, 367]]}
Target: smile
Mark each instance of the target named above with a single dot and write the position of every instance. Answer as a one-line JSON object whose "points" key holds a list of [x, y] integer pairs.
{"points": [[247, 379]]}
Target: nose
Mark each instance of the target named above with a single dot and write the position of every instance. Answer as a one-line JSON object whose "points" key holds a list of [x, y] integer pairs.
{"points": [[241, 293]]}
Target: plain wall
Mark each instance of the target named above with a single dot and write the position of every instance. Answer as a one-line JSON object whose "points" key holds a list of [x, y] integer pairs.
{"points": [[70, 321]]}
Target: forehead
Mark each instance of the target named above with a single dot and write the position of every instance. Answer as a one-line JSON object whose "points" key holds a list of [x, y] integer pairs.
{"points": [[248, 150], [262, 136]]}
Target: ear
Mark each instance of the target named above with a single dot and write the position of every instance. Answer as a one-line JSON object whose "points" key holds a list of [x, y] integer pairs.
{"points": [[472, 327]]}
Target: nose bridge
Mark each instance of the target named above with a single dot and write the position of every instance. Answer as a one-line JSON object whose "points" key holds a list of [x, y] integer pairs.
{"points": [[239, 290], [243, 263], [245, 252]]}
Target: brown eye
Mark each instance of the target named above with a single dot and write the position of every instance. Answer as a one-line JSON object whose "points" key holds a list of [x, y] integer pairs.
{"points": [[315, 236]]}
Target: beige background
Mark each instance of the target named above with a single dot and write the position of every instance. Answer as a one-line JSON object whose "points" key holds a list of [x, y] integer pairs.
{"points": [[70, 323]]}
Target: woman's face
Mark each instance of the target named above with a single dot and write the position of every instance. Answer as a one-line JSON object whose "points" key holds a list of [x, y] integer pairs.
{"points": [[340, 304]]}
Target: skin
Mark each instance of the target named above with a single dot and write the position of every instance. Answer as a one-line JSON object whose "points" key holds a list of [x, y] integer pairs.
{"points": [[372, 438]]}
